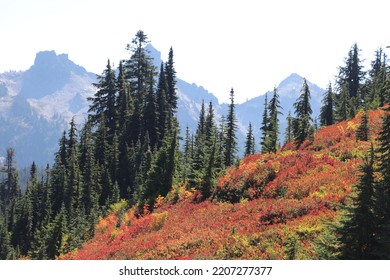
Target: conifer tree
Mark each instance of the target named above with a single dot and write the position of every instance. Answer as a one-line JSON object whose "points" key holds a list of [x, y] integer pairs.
{"points": [[288, 135], [104, 101], [377, 81], [357, 232], [58, 233], [73, 189], [12, 188], [327, 109], [382, 194], [162, 104], [124, 101], [59, 176], [139, 66], [139, 70], [210, 169], [352, 75], [273, 125], [187, 156], [301, 124], [209, 126], [91, 181], [159, 178], [197, 170], [150, 118], [6, 249], [343, 105], [22, 228], [264, 128], [249, 143], [386, 90], [231, 128], [363, 131], [170, 73]]}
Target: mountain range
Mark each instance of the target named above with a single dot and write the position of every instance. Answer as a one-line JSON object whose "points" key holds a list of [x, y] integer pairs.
{"points": [[37, 105]]}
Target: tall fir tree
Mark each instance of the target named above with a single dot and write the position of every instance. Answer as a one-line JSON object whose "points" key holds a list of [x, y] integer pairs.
{"points": [[327, 109], [264, 127], [104, 101], [362, 131], [231, 129], [358, 228], [6, 249], [170, 73], [139, 70], [343, 110], [377, 81], [249, 143], [288, 135], [352, 75], [302, 123], [124, 101], [197, 170], [382, 194], [150, 116], [162, 104], [273, 124]]}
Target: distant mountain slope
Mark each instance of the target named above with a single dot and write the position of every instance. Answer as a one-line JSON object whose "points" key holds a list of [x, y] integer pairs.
{"points": [[37, 105], [280, 202]]}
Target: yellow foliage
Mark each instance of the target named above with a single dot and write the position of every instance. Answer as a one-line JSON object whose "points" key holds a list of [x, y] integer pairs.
{"points": [[159, 201], [114, 233], [120, 205], [158, 220], [102, 226], [351, 126]]}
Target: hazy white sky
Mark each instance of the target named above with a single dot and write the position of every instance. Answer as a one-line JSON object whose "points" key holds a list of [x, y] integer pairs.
{"points": [[249, 45]]}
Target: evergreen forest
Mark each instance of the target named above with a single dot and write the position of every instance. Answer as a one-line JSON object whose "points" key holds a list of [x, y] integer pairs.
{"points": [[126, 175]]}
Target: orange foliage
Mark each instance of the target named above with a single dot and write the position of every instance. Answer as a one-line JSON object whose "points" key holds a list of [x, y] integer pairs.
{"points": [[268, 203]]}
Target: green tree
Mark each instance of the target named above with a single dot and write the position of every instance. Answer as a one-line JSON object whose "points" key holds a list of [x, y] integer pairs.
{"points": [[327, 109], [159, 178], [209, 126], [151, 123], [199, 151], [139, 70], [249, 143], [104, 101], [170, 73], [90, 176], [6, 249], [125, 106], [59, 176], [58, 234], [264, 128], [382, 194], [302, 123], [162, 104], [363, 130], [288, 135], [12, 188], [377, 81], [273, 124], [231, 128], [357, 232], [187, 156], [352, 75]]}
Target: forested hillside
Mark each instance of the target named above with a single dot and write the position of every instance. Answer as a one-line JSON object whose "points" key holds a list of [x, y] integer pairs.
{"points": [[122, 188], [284, 205]]}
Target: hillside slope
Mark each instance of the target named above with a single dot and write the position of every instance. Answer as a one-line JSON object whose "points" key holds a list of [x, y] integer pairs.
{"points": [[271, 206]]}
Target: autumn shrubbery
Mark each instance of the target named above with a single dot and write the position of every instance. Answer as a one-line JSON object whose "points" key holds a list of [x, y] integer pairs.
{"points": [[270, 206]]}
